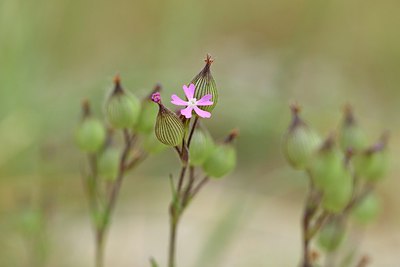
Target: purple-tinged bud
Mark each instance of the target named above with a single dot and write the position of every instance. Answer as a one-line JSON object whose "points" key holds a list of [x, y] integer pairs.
{"points": [[122, 108], [299, 142], [351, 135], [372, 163]]}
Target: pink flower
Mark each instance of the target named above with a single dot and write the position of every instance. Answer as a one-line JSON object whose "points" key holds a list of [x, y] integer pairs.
{"points": [[192, 103]]}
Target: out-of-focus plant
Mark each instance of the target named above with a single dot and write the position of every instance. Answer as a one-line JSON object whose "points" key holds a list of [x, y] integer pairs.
{"points": [[201, 158], [109, 158], [342, 180]]}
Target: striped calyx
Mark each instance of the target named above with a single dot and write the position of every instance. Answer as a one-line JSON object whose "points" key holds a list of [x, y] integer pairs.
{"points": [[205, 84], [169, 128]]}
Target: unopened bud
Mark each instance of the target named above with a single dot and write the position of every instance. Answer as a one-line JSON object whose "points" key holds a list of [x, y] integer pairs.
{"points": [[331, 236], [222, 158], [372, 163], [367, 209], [300, 141], [90, 134], [351, 135], [122, 108]]}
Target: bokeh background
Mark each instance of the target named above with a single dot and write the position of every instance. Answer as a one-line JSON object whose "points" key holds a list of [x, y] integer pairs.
{"points": [[268, 54]]}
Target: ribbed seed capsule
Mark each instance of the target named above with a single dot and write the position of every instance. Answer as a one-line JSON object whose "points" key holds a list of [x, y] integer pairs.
{"points": [[169, 128], [122, 108], [300, 142], [205, 84]]}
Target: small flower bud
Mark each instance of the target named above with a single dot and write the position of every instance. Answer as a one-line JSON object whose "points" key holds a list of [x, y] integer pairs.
{"points": [[372, 163], [351, 135], [200, 147], [108, 163], [122, 108], [222, 158], [205, 84], [300, 141], [326, 164], [367, 209], [331, 236], [169, 128], [90, 134], [148, 114]]}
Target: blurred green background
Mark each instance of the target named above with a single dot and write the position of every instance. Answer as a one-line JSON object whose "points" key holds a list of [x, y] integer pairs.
{"points": [[268, 54]]}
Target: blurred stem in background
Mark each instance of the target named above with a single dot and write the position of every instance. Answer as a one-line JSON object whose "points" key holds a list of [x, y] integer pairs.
{"points": [[108, 165]]}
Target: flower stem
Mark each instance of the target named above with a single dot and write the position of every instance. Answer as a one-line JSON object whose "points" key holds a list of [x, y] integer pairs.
{"points": [[172, 242], [99, 249]]}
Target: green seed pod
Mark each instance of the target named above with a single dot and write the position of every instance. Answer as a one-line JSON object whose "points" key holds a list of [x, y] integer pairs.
{"points": [[90, 134], [147, 118], [372, 163], [300, 142], [205, 84], [367, 210], [200, 147], [331, 236], [169, 128], [351, 135], [338, 195], [108, 163], [326, 164], [222, 158], [152, 145], [148, 114], [122, 109]]}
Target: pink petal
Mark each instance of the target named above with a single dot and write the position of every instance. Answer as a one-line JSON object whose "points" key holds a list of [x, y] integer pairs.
{"points": [[187, 112], [176, 100], [205, 101], [202, 113], [189, 91]]}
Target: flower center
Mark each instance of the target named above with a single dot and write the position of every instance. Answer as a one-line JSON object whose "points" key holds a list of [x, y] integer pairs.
{"points": [[192, 102]]}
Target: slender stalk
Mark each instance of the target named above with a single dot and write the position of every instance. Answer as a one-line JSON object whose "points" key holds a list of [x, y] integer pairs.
{"points": [[172, 243], [310, 210], [99, 250]]}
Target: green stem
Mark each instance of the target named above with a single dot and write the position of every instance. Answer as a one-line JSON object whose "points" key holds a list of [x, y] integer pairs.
{"points": [[99, 249], [172, 242]]}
